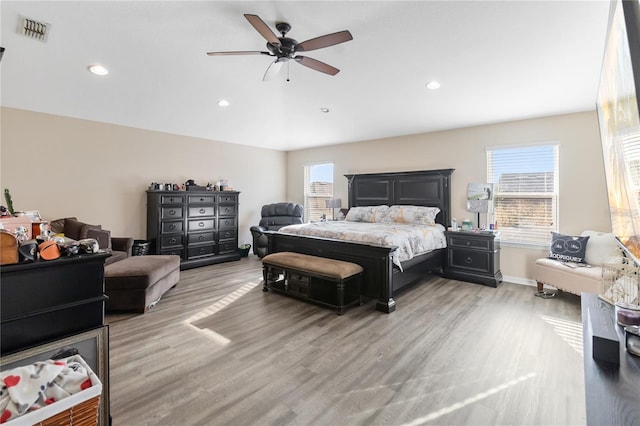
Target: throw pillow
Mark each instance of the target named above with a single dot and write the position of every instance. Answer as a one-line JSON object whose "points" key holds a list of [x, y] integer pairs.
{"points": [[102, 236], [567, 248], [601, 247]]}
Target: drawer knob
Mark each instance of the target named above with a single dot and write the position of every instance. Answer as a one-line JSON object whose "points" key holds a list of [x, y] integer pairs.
{"points": [[200, 224], [468, 243], [202, 211], [201, 237], [172, 212], [172, 227], [468, 260], [172, 241]]}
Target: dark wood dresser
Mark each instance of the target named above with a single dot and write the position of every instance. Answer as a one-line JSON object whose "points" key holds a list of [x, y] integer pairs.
{"points": [[199, 226], [474, 257]]}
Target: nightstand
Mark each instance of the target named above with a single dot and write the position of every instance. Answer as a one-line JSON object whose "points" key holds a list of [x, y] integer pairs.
{"points": [[474, 257]]}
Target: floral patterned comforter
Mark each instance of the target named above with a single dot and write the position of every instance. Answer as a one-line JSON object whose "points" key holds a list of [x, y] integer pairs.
{"points": [[410, 240]]}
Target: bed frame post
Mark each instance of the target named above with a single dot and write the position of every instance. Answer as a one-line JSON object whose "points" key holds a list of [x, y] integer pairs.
{"points": [[385, 302]]}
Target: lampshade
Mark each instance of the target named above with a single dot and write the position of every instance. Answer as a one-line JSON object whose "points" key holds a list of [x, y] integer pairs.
{"points": [[480, 197], [333, 203]]}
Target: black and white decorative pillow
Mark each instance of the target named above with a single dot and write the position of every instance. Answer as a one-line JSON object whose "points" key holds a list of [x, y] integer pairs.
{"points": [[567, 248]]}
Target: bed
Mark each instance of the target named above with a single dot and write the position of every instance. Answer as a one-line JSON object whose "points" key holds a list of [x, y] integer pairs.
{"points": [[382, 279]]}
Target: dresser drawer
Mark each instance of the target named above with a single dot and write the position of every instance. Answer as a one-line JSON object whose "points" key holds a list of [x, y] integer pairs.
{"points": [[171, 240], [177, 251], [201, 251], [227, 222], [227, 246], [226, 210], [298, 278], [471, 242], [202, 211], [171, 227], [171, 213], [171, 199], [201, 199], [201, 225], [471, 260], [201, 237], [227, 199], [226, 234]]}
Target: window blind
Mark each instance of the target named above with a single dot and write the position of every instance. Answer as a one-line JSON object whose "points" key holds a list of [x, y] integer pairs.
{"points": [[318, 188], [525, 190]]}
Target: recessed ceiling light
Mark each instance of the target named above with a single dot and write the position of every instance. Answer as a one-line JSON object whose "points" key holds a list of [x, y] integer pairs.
{"points": [[224, 103], [433, 85], [325, 110], [98, 70]]}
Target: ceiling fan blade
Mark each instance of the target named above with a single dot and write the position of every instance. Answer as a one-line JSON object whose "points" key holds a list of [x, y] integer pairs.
{"points": [[273, 69], [262, 28], [239, 52], [317, 65], [325, 41]]}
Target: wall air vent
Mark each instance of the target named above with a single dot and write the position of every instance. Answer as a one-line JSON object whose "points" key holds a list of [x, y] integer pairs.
{"points": [[34, 29]]}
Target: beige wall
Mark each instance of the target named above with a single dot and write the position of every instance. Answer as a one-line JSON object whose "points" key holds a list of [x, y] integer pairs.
{"points": [[99, 172], [583, 196]]}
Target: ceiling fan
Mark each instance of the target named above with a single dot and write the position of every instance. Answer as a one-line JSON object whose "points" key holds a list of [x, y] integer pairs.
{"points": [[284, 48]]}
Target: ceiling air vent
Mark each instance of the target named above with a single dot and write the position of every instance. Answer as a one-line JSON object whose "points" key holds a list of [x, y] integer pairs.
{"points": [[34, 29]]}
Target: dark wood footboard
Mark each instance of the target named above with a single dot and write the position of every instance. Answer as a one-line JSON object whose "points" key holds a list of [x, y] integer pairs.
{"points": [[380, 279]]}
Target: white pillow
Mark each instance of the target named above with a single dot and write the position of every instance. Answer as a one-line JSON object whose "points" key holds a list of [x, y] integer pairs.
{"points": [[600, 247]]}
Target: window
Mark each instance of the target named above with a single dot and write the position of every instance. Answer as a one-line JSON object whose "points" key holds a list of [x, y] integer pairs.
{"points": [[318, 187], [525, 180]]}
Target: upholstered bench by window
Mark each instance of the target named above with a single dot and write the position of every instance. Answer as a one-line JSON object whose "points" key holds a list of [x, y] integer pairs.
{"points": [[328, 282], [137, 283]]}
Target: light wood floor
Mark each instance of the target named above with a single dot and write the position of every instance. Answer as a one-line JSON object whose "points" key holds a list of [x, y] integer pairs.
{"points": [[217, 350]]}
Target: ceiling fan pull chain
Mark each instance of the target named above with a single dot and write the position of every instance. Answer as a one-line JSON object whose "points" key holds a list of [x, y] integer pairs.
{"points": [[288, 62]]}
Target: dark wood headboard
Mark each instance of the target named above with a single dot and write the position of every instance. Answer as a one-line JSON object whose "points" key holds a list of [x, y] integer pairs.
{"points": [[430, 188]]}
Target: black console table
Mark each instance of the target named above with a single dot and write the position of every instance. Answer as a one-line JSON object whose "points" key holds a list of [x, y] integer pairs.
{"points": [[612, 392], [52, 304]]}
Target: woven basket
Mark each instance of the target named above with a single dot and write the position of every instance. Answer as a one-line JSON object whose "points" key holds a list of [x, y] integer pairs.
{"points": [[140, 247], [82, 414]]}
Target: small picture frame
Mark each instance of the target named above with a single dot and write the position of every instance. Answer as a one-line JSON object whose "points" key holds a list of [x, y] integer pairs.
{"points": [[92, 346], [34, 215]]}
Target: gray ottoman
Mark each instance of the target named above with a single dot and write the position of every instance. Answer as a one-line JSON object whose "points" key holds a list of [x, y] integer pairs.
{"points": [[138, 282]]}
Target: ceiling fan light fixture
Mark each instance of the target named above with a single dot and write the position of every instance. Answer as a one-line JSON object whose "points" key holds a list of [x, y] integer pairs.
{"points": [[433, 85], [325, 110], [98, 69], [223, 103]]}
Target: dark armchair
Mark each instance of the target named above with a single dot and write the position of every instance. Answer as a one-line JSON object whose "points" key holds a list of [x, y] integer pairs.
{"points": [[274, 217]]}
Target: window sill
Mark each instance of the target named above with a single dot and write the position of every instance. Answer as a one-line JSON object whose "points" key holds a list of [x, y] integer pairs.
{"points": [[529, 246]]}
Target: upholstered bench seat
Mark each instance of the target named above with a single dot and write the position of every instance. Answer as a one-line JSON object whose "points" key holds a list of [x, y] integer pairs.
{"points": [[330, 282], [137, 283], [575, 280]]}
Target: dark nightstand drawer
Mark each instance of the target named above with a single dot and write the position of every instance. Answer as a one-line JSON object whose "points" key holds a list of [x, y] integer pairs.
{"points": [[201, 225], [171, 213], [202, 237], [201, 251], [226, 210], [471, 260], [177, 251], [171, 227], [201, 199], [202, 211], [171, 240], [462, 241], [171, 199]]}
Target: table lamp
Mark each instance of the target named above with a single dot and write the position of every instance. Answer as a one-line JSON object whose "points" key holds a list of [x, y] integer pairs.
{"points": [[333, 204]]}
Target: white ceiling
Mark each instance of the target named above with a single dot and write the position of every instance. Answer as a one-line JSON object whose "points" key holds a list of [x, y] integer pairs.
{"points": [[496, 61]]}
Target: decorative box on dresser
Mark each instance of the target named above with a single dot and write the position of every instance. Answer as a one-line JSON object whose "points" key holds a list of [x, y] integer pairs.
{"points": [[199, 226], [474, 257]]}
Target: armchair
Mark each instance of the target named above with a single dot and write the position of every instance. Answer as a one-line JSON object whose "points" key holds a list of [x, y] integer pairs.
{"points": [[274, 217]]}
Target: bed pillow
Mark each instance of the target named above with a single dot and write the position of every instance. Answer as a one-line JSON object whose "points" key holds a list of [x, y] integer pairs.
{"points": [[567, 248], [366, 213], [412, 215]]}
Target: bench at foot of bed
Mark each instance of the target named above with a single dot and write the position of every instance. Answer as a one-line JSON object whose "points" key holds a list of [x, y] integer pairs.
{"points": [[328, 282]]}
